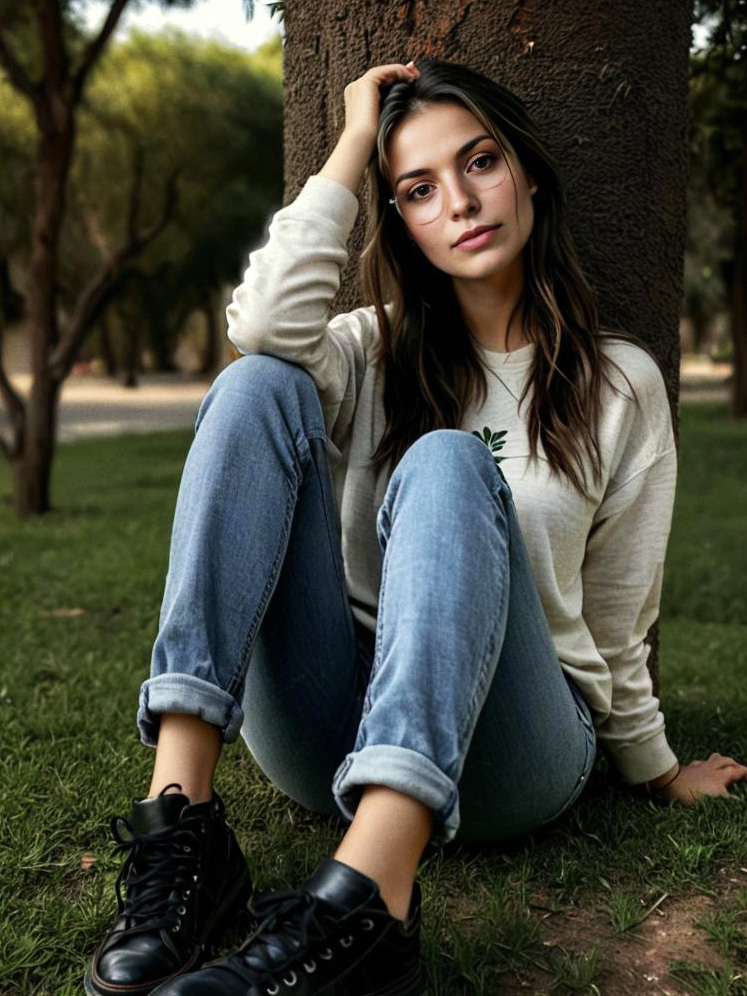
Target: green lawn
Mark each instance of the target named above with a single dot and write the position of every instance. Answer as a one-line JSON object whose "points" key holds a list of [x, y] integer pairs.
{"points": [[578, 908]]}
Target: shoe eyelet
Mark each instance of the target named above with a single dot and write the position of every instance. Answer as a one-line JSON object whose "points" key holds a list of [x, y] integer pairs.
{"points": [[181, 910], [367, 924], [326, 956], [186, 894], [195, 878], [176, 928], [293, 980], [187, 849], [346, 941], [310, 967], [271, 990]]}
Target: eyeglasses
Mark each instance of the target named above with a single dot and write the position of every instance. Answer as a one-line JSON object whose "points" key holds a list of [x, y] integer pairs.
{"points": [[424, 202]]}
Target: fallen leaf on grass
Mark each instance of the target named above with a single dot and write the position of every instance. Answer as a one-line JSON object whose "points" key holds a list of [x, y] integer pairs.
{"points": [[87, 861], [64, 613]]}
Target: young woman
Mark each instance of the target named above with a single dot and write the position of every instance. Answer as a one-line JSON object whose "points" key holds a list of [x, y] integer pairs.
{"points": [[416, 551]]}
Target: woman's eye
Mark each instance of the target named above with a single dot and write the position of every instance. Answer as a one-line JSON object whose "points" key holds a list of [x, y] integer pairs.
{"points": [[412, 194], [485, 156]]}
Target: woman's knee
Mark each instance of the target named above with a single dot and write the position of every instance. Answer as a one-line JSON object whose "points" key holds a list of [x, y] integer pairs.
{"points": [[259, 378], [446, 455]]}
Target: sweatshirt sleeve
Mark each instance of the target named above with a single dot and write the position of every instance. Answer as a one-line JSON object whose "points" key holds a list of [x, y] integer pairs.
{"points": [[622, 580], [282, 306]]}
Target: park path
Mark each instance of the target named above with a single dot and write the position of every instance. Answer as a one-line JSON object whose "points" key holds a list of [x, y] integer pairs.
{"points": [[93, 405]]}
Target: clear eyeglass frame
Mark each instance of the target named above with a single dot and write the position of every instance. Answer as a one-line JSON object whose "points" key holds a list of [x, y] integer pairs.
{"points": [[488, 182]]}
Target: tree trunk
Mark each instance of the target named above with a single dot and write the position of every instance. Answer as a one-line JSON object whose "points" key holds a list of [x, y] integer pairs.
{"points": [[739, 302], [608, 85], [34, 466], [33, 470]]}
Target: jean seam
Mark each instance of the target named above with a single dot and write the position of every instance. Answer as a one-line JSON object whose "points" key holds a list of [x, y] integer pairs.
{"points": [[303, 454], [376, 659], [248, 644], [583, 778], [331, 534], [488, 651]]}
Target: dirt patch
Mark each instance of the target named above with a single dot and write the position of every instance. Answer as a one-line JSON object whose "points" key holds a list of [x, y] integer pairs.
{"points": [[632, 963], [638, 960]]}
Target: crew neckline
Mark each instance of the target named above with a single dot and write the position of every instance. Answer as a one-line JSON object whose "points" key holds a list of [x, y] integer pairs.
{"points": [[515, 358]]}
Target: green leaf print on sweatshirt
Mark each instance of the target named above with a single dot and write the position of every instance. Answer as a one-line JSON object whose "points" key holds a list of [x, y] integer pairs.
{"points": [[493, 440]]}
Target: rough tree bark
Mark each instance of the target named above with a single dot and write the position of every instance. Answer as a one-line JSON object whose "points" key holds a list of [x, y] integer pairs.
{"points": [[608, 84]]}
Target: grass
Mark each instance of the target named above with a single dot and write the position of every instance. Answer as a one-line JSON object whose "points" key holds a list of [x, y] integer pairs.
{"points": [[79, 598]]}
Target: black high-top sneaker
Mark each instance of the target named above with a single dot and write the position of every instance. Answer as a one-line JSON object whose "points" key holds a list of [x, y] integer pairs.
{"points": [[185, 880], [333, 936]]}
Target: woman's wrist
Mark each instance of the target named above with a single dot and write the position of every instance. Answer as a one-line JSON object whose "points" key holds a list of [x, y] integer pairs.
{"points": [[665, 780]]}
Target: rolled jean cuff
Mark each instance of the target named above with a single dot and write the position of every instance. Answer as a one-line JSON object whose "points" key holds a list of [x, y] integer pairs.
{"points": [[404, 770], [184, 693]]}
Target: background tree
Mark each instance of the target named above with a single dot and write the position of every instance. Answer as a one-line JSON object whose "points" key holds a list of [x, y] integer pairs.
{"points": [[49, 62], [719, 168], [608, 84]]}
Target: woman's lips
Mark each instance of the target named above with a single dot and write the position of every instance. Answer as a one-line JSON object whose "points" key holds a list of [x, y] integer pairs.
{"points": [[479, 240]]}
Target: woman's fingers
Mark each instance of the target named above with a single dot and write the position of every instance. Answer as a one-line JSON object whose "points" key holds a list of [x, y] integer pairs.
{"points": [[712, 777], [735, 773], [363, 95]]}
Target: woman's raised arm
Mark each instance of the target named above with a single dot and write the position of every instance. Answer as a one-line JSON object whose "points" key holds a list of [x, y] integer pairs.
{"points": [[282, 306]]}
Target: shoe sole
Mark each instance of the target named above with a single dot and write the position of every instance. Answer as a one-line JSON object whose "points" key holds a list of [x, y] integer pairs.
{"points": [[237, 899]]}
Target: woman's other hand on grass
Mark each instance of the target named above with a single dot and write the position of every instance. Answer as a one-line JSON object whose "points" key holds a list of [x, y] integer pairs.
{"points": [[713, 777]]}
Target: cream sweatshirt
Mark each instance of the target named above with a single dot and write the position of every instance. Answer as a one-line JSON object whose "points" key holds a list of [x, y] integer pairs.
{"points": [[598, 561]]}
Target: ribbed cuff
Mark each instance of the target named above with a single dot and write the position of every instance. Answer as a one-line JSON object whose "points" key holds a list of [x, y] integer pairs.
{"points": [[642, 762]]}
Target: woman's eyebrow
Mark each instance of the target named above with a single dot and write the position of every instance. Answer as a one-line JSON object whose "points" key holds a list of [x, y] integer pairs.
{"points": [[460, 152]]}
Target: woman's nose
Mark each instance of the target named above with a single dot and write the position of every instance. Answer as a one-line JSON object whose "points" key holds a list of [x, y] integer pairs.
{"points": [[460, 196]]}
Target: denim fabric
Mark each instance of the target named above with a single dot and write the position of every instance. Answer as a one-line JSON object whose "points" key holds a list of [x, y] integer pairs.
{"points": [[458, 699]]}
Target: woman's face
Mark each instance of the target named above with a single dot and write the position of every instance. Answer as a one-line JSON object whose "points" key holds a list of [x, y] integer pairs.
{"points": [[430, 141]]}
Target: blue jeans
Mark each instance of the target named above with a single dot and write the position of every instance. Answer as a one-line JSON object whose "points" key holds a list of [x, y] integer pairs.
{"points": [[458, 699]]}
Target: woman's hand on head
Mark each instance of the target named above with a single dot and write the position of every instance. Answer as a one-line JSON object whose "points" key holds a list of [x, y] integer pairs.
{"points": [[351, 155], [363, 96], [712, 777]]}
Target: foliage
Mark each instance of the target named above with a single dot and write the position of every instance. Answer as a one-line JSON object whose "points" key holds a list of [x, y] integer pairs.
{"points": [[718, 132], [160, 107], [201, 112], [274, 7]]}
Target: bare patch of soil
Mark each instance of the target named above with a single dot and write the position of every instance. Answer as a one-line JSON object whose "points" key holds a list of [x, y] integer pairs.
{"points": [[632, 963]]}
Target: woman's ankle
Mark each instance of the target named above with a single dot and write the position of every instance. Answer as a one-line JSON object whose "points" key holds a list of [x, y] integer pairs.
{"points": [[186, 756], [385, 841]]}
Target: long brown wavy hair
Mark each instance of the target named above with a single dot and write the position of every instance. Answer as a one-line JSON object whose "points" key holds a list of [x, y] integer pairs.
{"points": [[432, 371]]}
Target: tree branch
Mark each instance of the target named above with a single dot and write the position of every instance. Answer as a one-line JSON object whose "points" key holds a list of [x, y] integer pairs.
{"points": [[96, 47], [99, 289], [16, 73]]}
